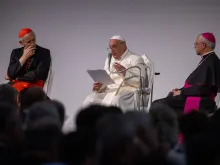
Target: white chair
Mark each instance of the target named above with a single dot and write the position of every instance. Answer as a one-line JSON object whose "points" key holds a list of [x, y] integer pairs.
{"points": [[144, 96], [48, 84], [217, 100]]}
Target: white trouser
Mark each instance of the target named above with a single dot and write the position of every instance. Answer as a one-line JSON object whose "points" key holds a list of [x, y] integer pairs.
{"points": [[124, 100]]}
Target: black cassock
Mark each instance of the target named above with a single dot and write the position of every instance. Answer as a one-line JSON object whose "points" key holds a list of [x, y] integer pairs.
{"points": [[203, 83], [35, 68]]}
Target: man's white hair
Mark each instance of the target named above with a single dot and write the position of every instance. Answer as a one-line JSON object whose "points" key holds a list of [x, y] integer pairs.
{"points": [[31, 33], [209, 43]]}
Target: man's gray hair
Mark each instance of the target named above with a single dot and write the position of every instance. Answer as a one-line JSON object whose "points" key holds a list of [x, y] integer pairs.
{"points": [[124, 125], [116, 132], [42, 112], [166, 121], [8, 94], [207, 42], [136, 118]]}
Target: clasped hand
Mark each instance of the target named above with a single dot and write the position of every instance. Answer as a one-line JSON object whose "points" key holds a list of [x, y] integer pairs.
{"points": [[176, 92], [7, 77]]}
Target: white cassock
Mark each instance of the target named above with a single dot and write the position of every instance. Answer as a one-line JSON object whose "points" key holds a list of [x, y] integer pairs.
{"points": [[125, 97]]}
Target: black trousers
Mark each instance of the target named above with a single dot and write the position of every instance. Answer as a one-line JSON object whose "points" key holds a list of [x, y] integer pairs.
{"points": [[177, 103], [23, 92]]}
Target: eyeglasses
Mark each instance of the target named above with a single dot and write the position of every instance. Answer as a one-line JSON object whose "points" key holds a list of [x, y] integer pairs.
{"points": [[109, 49], [198, 43], [114, 47]]}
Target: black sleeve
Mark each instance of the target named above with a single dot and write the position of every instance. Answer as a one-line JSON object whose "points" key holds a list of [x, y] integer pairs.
{"points": [[197, 91], [14, 66], [41, 71]]}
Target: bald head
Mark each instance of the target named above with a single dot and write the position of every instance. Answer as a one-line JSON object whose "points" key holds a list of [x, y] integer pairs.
{"points": [[8, 94], [117, 46]]}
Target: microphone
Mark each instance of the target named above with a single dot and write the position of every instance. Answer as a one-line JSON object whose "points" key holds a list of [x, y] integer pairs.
{"points": [[109, 60]]}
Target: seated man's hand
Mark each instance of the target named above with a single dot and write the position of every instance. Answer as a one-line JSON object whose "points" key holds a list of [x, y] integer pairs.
{"points": [[29, 51], [177, 92], [6, 77], [119, 68], [176, 89], [97, 87]]}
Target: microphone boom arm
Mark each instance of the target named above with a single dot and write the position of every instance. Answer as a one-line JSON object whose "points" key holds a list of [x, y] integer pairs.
{"points": [[140, 79]]}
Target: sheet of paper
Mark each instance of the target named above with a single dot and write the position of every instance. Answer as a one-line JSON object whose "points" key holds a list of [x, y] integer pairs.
{"points": [[101, 76]]}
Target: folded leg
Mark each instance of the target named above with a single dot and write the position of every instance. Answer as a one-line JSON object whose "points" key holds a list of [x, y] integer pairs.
{"points": [[177, 103], [94, 98], [124, 100]]}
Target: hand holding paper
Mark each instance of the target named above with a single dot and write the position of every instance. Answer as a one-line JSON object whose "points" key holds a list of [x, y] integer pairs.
{"points": [[97, 86], [100, 76]]}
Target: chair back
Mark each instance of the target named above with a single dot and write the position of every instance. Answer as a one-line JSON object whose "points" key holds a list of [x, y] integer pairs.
{"points": [[217, 100], [48, 84], [149, 80], [149, 67]]}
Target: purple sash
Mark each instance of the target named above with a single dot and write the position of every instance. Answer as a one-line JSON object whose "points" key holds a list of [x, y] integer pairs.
{"points": [[192, 104]]}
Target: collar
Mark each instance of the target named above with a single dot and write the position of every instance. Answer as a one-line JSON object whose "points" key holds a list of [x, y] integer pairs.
{"points": [[207, 53], [204, 56]]}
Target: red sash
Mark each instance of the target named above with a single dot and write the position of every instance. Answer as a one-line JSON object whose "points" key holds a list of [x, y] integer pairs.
{"points": [[21, 85]]}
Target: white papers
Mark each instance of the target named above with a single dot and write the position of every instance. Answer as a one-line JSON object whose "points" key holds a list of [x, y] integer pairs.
{"points": [[101, 76]]}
